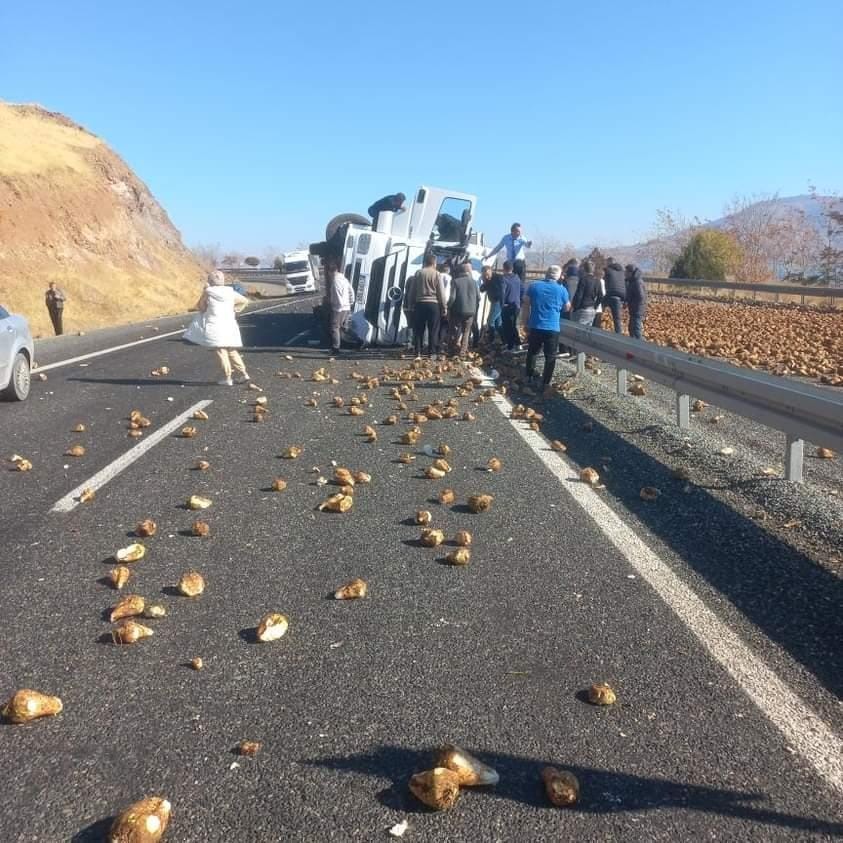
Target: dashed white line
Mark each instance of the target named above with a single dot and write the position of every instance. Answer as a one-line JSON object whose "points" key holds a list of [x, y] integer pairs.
{"points": [[71, 500], [804, 730], [71, 360]]}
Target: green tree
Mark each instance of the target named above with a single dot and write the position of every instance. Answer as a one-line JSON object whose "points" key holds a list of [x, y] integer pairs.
{"points": [[252, 261], [710, 254]]}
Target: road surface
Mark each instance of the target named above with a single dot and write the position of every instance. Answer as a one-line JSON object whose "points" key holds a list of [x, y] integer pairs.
{"points": [[722, 642]]}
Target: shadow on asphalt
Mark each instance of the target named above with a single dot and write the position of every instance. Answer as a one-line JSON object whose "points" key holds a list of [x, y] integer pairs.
{"points": [[95, 833], [795, 602], [603, 791]]}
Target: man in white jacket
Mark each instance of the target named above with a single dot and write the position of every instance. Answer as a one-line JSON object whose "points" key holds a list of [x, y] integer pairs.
{"points": [[342, 301]]}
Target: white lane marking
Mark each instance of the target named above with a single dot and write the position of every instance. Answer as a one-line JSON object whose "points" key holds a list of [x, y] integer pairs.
{"points": [[71, 500], [804, 730], [297, 337], [71, 360]]}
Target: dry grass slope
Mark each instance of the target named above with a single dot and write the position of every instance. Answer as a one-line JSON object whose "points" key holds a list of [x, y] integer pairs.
{"points": [[72, 211]]}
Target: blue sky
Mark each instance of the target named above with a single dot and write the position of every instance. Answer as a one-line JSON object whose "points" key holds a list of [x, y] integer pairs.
{"points": [[254, 122]]}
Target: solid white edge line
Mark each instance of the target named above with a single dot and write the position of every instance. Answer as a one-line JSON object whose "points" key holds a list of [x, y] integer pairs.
{"points": [[808, 734], [71, 360], [71, 500]]}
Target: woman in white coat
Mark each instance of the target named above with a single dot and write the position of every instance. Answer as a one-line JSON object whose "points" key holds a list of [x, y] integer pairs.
{"points": [[216, 326]]}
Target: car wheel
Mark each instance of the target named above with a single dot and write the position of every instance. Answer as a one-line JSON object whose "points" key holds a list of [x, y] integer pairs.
{"points": [[18, 388]]}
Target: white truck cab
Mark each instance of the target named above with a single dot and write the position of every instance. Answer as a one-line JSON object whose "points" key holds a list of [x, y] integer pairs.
{"points": [[378, 263], [300, 272]]}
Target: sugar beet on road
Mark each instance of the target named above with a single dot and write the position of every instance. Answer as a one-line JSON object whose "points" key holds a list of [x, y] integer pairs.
{"points": [[353, 699]]}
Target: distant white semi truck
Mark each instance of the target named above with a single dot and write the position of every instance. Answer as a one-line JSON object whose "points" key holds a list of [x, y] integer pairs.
{"points": [[301, 270], [380, 262]]}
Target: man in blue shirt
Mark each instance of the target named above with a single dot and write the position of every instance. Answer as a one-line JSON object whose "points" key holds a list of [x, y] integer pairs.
{"points": [[548, 299], [516, 250]]}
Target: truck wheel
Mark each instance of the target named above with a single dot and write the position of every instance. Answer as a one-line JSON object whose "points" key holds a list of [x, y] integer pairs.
{"points": [[342, 219], [18, 388]]}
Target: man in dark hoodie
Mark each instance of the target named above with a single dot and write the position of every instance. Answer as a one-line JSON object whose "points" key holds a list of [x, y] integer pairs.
{"points": [[462, 307], [636, 301], [615, 297], [512, 297]]}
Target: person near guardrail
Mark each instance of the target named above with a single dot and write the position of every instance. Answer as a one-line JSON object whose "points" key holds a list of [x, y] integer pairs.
{"points": [[615, 279], [425, 305], [341, 295], [491, 284], [598, 311], [547, 300], [587, 296], [636, 301], [462, 306], [512, 297], [516, 250]]}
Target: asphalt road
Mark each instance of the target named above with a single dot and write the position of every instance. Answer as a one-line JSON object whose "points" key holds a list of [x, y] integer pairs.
{"points": [[493, 656]]}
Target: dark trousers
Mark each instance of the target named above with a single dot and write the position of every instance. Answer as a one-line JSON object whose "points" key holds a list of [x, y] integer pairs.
{"points": [[56, 318], [548, 342], [426, 317], [520, 269], [509, 329], [636, 325], [615, 304]]}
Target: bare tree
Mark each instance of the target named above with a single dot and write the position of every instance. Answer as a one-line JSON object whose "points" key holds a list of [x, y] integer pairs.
{"points": [[232, 259], [269, 254], [208, 254], [546, 249], [756, 223], [671, 233], [830, 261]]}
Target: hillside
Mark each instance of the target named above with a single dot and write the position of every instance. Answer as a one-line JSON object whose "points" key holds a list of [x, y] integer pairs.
{"points": [[71, 211], [807, 208]]}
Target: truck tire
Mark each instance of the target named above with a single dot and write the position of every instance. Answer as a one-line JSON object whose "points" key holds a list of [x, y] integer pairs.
{"points": [[342, 219]]}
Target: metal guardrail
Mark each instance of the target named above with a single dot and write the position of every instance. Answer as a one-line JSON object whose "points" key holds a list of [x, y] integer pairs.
{"points": [[801, 411], [801, 290]]}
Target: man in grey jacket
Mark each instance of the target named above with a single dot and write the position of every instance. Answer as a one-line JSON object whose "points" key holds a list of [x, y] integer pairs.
{"points": [[636, 301], [462, 307]]}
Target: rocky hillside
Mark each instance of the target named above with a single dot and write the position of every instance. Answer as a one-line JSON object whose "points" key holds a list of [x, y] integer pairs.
{"points": [[72, 212]]}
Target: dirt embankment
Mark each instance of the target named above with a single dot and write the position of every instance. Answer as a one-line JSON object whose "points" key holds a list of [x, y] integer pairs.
{"points": [[71, 211]]}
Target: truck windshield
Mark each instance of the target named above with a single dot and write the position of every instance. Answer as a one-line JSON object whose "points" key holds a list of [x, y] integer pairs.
{"points": [[296, 266]]}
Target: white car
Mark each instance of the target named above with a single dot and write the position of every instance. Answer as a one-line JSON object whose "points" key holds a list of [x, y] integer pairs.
{"points": [[17, 352]]}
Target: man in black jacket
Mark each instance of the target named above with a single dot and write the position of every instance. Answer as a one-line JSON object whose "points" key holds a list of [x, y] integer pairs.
{"points": [[587, 296], [636, 301], [393, 202], [615, 297]]}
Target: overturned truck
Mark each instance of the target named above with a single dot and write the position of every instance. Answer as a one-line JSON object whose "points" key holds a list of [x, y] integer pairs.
{"points": [[379, 262]]}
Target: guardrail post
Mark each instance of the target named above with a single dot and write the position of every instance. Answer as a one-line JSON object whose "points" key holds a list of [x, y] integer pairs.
{"points": [[580, 362], [683, 411], [794, 450], [621, 381]]}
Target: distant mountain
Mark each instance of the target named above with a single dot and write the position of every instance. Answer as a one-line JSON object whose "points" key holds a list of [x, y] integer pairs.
{"points": [[811, 208]]}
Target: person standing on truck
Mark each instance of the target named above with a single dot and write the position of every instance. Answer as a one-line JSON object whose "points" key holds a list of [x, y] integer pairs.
{"points": [[342, 301], [547, 300], [512, 297], [425, 305], [54, 299], [636, 301], [516, 250], [462, 307], [394, 202], [615, 292]]}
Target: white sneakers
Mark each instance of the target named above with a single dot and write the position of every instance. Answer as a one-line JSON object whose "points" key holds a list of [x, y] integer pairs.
{"points": [[225, 382]]}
